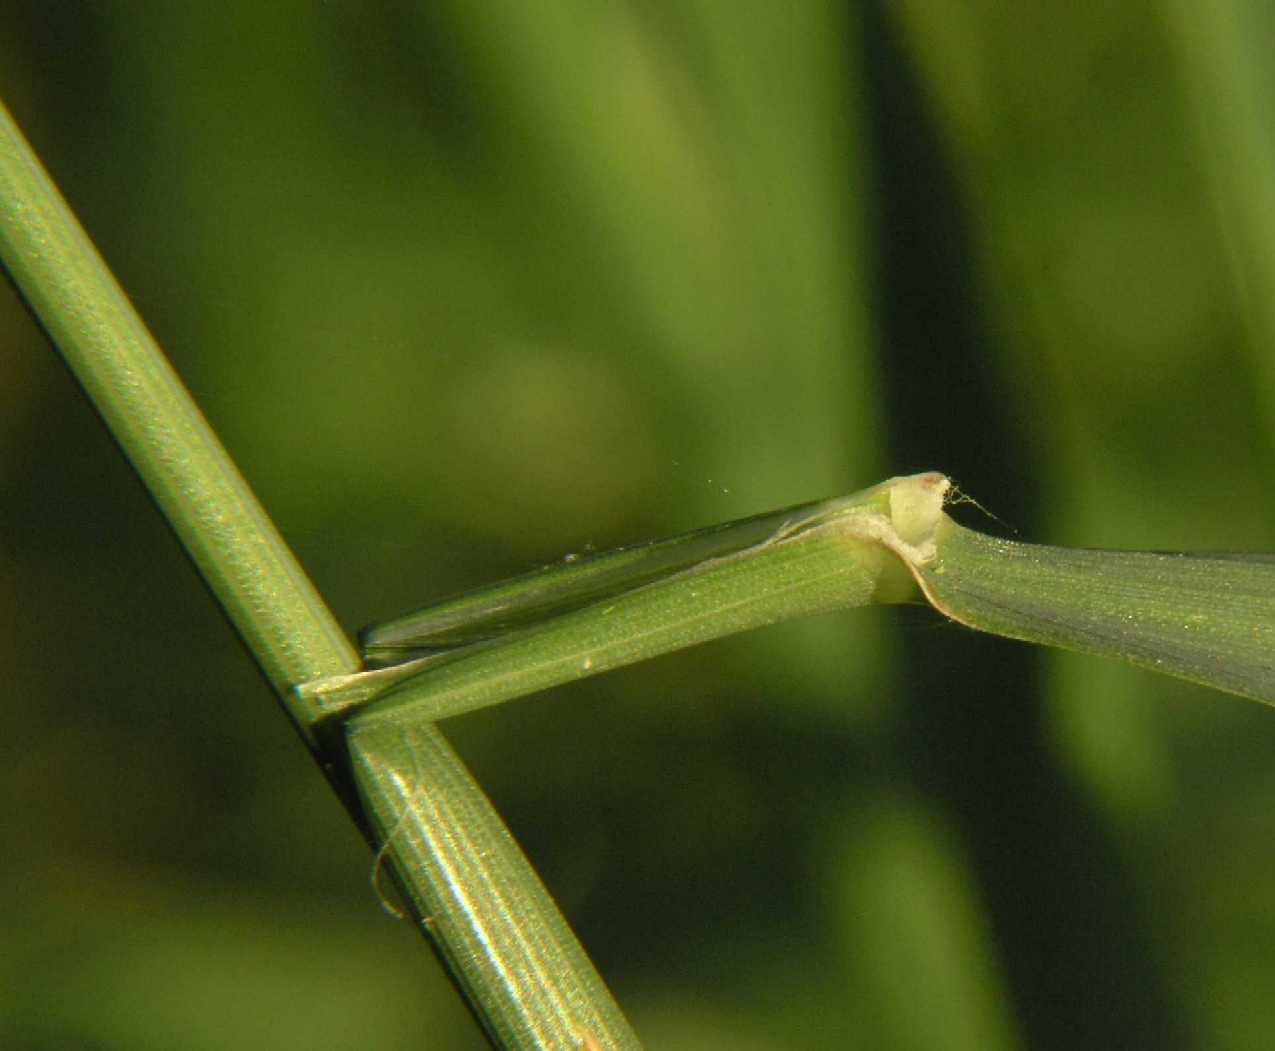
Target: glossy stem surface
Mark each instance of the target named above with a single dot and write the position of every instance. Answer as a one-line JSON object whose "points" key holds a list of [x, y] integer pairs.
{"points": [[474, 870]]}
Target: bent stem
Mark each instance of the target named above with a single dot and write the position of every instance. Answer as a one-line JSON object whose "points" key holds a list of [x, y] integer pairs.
{"points": [[1207, 618]]}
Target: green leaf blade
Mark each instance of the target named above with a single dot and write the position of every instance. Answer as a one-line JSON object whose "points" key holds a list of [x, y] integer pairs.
{"points": [[1206, 618]]}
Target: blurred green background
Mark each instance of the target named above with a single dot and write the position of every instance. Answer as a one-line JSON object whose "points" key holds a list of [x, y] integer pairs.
{"points": [[465, 287]]}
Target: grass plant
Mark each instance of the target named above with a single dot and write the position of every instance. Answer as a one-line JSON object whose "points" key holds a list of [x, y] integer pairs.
{"points": [[591, 224]]}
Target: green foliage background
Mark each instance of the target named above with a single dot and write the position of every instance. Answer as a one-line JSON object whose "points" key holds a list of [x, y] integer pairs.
{"points": [[465, 287]]}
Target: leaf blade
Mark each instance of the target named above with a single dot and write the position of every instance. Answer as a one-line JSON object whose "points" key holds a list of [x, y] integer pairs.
{"points": [[1208, 618]]}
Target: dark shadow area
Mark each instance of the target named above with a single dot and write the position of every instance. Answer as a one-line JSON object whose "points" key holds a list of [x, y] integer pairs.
{"points": [[1065, 912]]}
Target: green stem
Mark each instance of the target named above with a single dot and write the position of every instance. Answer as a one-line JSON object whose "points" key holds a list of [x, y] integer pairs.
{"points": [[831, 555], [283, 620], [209, 505], [517, 957]]}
